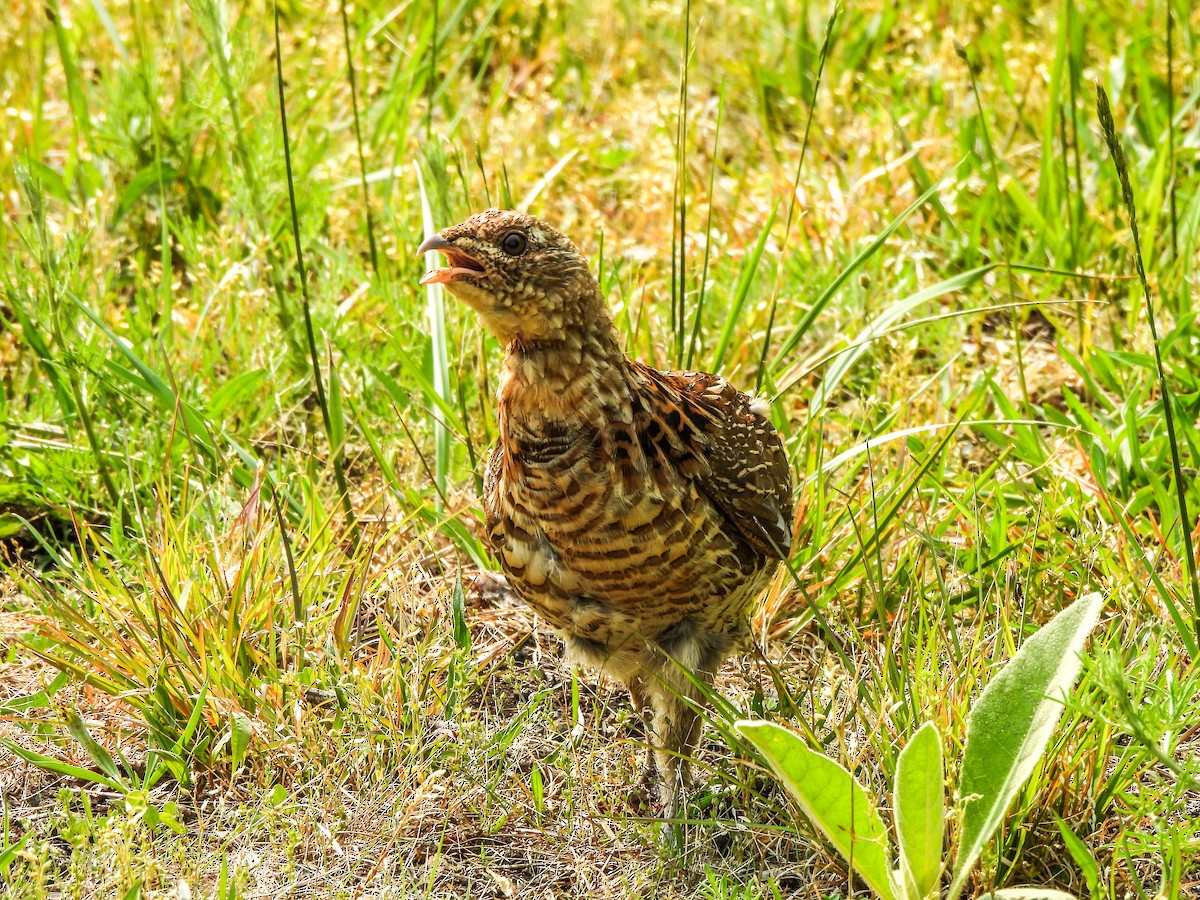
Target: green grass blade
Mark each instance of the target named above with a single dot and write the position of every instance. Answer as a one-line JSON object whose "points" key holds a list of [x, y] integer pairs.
{"points": [[826, 46], [98, 754], [50, 764], [797, 333], [335, 445], [884, 321], [745, 279], [435, 314], [1011, 723], [1104, 113], [358, 141]]}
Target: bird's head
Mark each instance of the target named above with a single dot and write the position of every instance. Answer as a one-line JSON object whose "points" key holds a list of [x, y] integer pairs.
{"points": [[527, 281]]}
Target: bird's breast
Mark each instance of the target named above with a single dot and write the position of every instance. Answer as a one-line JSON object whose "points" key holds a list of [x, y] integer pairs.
{"points": [[585, 522]]}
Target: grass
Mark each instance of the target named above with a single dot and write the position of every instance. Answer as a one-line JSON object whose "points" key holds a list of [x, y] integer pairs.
{"points": [[295, 683]]}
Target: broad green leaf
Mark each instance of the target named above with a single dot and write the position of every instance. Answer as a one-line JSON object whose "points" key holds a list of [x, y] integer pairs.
{"points": [[104, 762], [50, 764], [37, 700], [1028, 893], [240, 731], [831, 799], [920, 810], [151, 178], [169, 815], [1012, 722], [458, 603], [9, 853]]}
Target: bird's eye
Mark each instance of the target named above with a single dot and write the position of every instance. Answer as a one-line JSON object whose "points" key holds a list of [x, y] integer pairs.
{"points": [[513, 243]]}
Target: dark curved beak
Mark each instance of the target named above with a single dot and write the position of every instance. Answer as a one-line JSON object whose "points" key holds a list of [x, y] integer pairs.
{"points": [[436, 242]]}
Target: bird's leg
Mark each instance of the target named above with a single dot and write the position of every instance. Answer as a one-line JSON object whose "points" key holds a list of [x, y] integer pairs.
{"points": [[676, 731], [690, 660], [639, 694]]}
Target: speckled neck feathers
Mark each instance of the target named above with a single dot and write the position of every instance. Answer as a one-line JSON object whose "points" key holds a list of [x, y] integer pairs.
{"points": [[575, 371]]}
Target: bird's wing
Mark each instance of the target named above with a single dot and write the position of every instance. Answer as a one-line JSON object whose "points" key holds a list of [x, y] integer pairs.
{"points": [[725, 441]]}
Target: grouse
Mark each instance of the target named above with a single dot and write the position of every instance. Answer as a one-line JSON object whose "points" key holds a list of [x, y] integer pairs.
{"points": [[639, 512]]}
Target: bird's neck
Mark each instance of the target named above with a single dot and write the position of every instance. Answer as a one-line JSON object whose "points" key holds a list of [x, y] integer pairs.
{"points": [[579, 375]]}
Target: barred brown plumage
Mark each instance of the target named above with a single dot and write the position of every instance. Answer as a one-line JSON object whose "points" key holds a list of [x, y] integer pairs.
{"points": [[639, 512]]}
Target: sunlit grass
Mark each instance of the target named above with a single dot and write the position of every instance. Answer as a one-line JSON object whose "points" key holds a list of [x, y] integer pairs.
{"points": [[229, 488]]}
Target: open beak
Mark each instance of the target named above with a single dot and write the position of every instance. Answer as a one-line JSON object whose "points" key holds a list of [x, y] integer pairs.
{"points": [[461, 264]]}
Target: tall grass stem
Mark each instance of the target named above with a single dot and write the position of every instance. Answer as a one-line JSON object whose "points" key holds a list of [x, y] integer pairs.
{"points": [[358, 141], [1006, 251], [1104, 112], [1171, 185], [793, 201], [336, 448]]}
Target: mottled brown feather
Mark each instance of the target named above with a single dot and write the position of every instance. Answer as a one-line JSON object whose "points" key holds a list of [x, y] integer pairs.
{"points": [[639, 512], [745, 470]]}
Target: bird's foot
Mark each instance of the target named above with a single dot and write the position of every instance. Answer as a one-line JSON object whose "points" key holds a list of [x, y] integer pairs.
{"points": [[645, 790], [673, 835], [673, 831], [491, 589], [640, 799]]}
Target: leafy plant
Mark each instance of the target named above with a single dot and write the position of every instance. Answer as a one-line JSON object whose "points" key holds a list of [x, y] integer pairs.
{"points": [[9, 848], [1007, 733], [118, 774]]}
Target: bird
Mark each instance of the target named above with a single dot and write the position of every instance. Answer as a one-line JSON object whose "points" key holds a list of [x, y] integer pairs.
{"points": [[639, 512]]}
